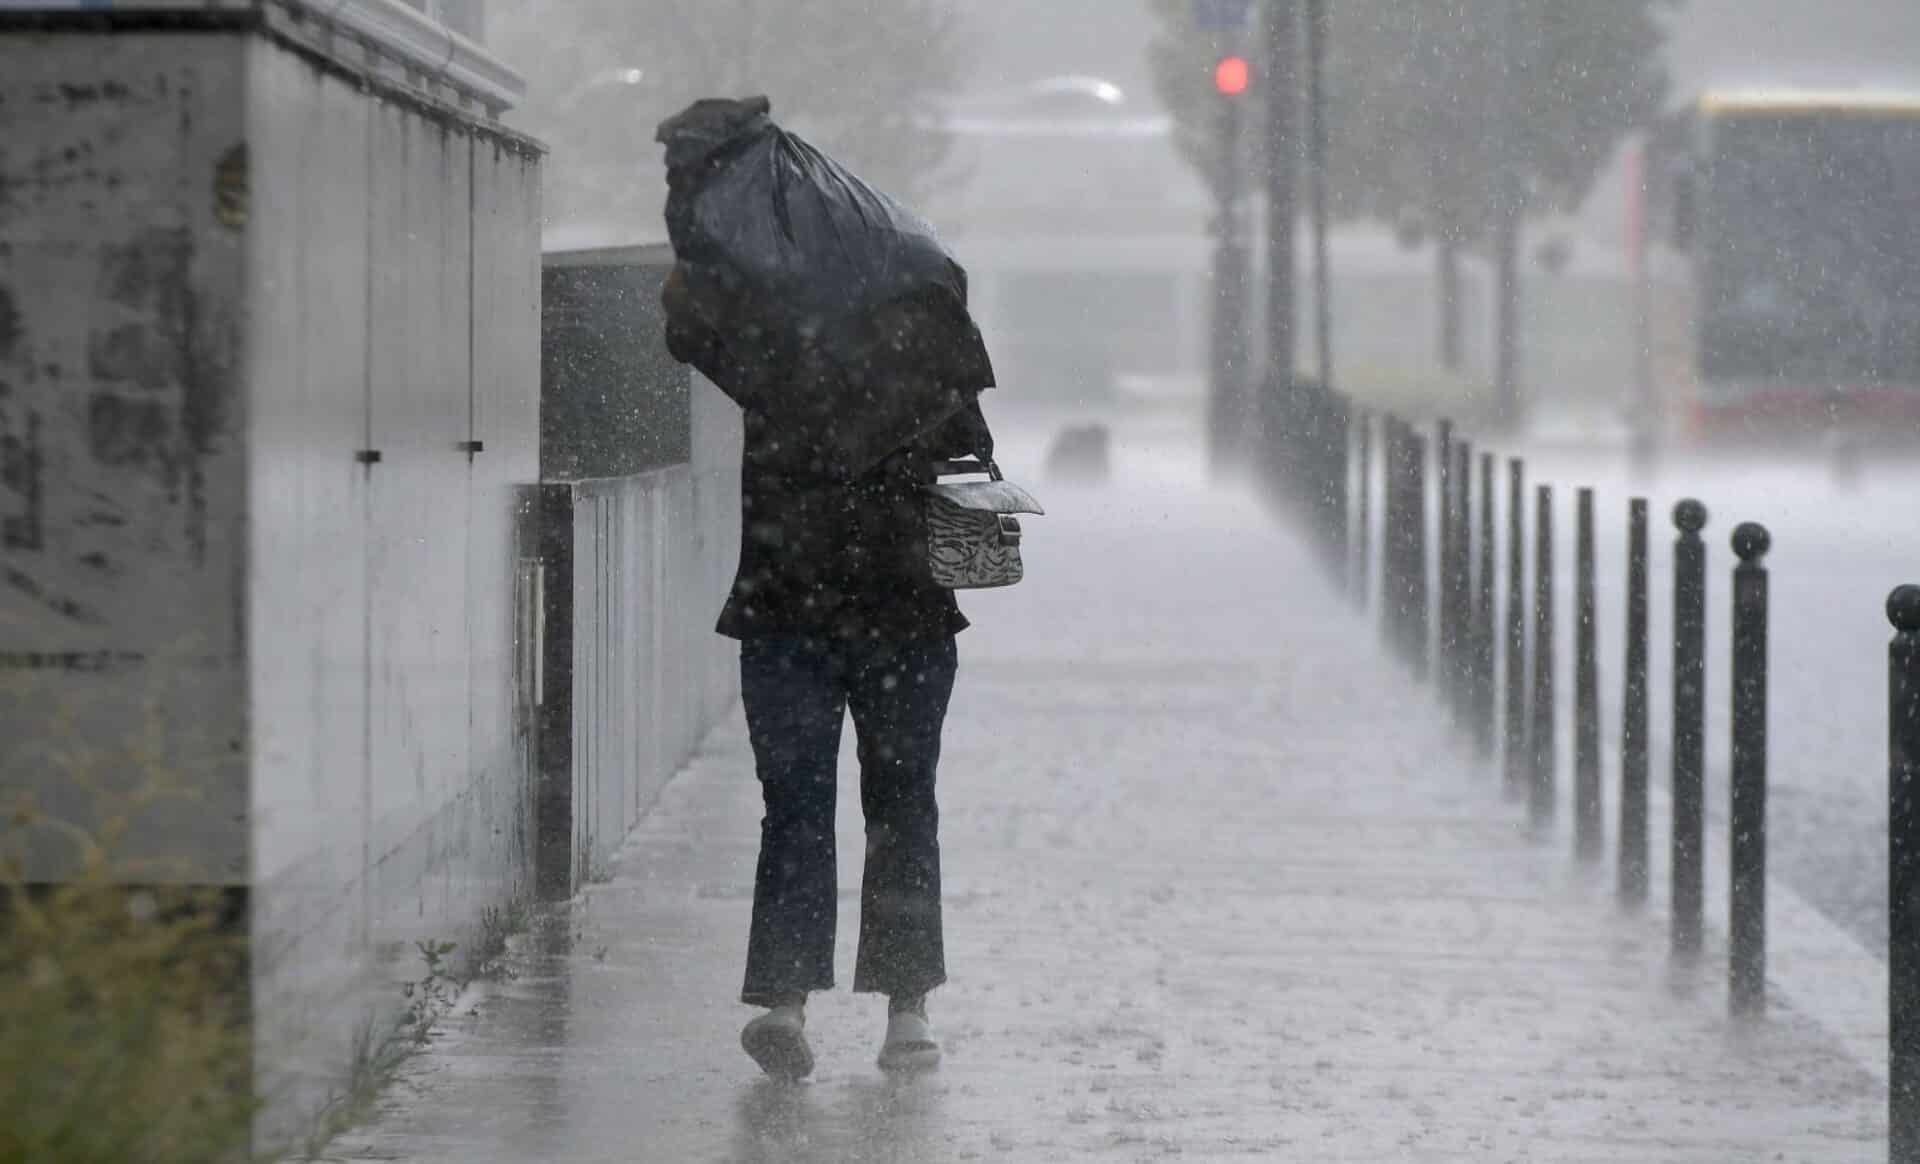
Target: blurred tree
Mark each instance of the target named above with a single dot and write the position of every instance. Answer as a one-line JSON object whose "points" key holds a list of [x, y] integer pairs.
{"points": [[1419, 94], [858, 80]]}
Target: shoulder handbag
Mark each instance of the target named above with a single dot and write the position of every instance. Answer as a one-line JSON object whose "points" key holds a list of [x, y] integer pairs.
{"points": [[973, 537]]}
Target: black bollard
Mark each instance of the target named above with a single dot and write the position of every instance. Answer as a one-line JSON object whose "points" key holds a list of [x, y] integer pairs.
{"points": [[1516, 673], [1407, 532], [1363, 511], [1335, 499], [1633, 730], [1320, 456], [1689, 726], [1393, 535], [1747, 821], [1419, 568], [1448, 651], [1444, 630], [1541, 735], [1587, 828], [1903, 875], [1456, 579], [1483, 629], [1340, 517], [1391, 613]]}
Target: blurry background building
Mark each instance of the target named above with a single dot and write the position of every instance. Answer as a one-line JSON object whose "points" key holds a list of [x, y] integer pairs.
{"points": [[1041, 148]]}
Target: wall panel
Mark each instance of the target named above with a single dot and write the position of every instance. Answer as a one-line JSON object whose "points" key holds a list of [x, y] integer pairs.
{"points": [[419, 515], [309, 264], [226, 269], [505, 340], [122, 456]]}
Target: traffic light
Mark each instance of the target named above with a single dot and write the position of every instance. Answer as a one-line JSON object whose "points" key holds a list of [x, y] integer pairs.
{"points": [[1232, 82], [1229, 396], [1232, 76]]}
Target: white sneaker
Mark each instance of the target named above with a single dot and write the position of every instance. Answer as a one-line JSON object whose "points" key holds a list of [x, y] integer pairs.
{"points": [[909, 1045], [777, 1040]]}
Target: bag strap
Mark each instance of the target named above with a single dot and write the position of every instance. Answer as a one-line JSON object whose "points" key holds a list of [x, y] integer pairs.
{"points": [[967, 469]]}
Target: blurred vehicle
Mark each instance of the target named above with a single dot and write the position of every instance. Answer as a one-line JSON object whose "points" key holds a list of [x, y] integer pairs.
{"points": [[1082, 455], [1086, 236], [1782, 297]]}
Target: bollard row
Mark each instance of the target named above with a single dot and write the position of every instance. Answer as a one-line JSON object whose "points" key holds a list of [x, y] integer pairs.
{"points": [[1497, 669], [1441, 615]]}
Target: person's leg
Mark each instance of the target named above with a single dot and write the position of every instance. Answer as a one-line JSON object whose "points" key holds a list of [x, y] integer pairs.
{"points": [[795, 704], [899, 695]]}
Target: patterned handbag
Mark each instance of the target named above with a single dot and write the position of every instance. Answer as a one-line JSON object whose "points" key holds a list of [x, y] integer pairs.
{"points": [[973, 537]]}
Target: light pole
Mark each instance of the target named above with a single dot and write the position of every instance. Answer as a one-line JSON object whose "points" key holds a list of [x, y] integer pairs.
{"points": [[1317, 174], [1510, 213]]}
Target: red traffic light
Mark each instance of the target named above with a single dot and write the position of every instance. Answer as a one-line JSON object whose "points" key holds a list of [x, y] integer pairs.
{"points": [[1232, 76]]}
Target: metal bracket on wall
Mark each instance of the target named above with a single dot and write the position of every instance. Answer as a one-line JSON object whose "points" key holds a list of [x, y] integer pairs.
{"points": [[472, 447], [367, 456]]}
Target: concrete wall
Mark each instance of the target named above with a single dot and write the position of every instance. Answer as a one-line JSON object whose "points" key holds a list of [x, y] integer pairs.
{"points": [[231, 274], [638, 562], [613, 401], [270, 380], [122, 454], [394, 311]]}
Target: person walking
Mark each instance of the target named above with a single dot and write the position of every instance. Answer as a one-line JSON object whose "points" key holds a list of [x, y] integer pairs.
{"points": [[837, 612]]}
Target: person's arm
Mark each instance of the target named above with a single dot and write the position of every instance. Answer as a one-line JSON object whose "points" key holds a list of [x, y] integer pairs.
{"points": [[965, 434], [693, 344], [690, 339]]}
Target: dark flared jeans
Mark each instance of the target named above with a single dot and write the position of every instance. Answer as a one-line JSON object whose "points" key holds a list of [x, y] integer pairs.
{"points": [[797, 693]]}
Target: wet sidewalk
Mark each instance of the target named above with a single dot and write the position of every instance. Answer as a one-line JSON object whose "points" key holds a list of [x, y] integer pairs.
{"points": [[1220, 885]]}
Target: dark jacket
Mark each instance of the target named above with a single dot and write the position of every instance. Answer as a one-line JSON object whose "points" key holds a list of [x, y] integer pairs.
{"points": [[840, 560]]}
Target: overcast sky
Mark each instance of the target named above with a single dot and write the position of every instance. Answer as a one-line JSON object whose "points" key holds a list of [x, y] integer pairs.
{"points": [[1837, 41]]}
